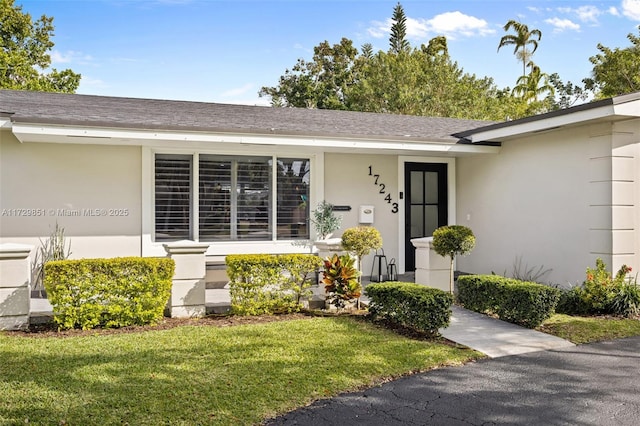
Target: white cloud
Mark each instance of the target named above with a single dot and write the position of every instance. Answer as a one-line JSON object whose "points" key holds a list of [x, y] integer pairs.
{"points": [[450, 24], [87, 83], [613, 11], [588, 13], [631, 9], [560, 25], [456, 23], [237, 91], [68, 57], [583, 13], [379, 29]]}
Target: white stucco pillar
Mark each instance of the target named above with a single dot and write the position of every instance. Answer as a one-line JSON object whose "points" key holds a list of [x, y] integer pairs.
{"points": [[329, 247], [188, 289], [15, 286], [431, 269]]}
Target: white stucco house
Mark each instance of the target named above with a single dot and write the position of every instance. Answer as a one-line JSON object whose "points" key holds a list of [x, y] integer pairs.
{"points": [[123, 176]]}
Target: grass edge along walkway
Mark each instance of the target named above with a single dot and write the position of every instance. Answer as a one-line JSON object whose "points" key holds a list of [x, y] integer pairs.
{"points": [[581, 330], [202, 374]]}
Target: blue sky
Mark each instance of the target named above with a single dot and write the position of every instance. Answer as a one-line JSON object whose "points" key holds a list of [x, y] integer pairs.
{"points": [[224, 51]]}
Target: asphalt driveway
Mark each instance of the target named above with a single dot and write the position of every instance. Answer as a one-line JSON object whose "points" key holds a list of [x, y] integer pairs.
{"points": [[594, 384]]}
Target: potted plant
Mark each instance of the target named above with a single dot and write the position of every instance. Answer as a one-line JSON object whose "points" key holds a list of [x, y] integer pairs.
{"points": [[360, 240], [325, 220]]}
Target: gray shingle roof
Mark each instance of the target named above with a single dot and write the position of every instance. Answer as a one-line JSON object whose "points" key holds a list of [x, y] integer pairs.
{"points": [[155, 114]]}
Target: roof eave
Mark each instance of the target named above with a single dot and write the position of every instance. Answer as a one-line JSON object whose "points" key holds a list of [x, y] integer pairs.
{"points": [[625, 106], [37, 132]]}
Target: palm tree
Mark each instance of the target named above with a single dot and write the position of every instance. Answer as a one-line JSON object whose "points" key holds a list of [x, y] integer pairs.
{"points": [[532, 85], [520, 41]]}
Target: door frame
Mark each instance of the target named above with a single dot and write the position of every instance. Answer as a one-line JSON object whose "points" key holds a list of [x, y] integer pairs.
{"points": [[451, 197]]}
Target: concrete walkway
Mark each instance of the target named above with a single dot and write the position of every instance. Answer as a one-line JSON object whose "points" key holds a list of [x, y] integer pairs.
{"points": [[497, 338]]}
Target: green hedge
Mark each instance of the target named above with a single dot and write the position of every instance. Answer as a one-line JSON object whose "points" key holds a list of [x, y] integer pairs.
{"points": [[524, 303], [411, 305], [266, 284], [117, 292]]}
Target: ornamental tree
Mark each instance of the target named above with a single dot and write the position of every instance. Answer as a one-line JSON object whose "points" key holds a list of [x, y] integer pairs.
{"points": [[451, 241]]}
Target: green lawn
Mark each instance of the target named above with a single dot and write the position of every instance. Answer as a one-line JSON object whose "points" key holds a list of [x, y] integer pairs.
{"points": [[590, 329], [202, 374]]}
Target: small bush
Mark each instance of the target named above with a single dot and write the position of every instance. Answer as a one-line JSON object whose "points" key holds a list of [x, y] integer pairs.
{"points": [[410, 305], [451, 241], [267, 284], [117, 292], [360, 240], [571, 302], [340, 279], [602, 293], [524, 303]]}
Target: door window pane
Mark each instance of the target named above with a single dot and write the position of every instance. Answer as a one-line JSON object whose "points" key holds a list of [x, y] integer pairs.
{"points": [[431, 187], [430, 220], [417, 221], [417, 187]]}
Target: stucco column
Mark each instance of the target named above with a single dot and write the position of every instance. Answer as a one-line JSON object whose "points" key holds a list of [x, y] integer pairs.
{"points": [[188, 289], [329, 247], [15, 286], [431, 269]]}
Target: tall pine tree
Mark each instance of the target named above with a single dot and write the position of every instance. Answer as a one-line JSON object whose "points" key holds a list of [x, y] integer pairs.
{"points": [[398, 40]]}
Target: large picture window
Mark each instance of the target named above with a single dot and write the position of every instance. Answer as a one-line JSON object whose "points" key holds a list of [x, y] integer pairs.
{"points": [[238, 198]]}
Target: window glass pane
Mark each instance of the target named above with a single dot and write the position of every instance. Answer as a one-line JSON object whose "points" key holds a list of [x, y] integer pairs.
{"points": [[215, 199], [293, 198], [253, 188], [430, 220], [172, 197], [417, 187], [417, 221], [431, 190]]}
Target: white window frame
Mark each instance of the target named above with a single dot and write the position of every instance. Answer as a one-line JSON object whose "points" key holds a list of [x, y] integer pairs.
{"points": [[152, 248]]}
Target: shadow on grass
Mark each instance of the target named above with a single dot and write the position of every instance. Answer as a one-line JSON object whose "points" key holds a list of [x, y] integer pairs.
{"points": [[200, 375]]}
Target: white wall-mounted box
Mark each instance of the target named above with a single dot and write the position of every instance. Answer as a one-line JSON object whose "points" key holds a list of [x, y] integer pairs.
{"points": [[366, 215]]}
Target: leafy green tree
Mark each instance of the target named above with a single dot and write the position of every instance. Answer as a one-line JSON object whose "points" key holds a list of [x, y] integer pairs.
{"points": [[616, 71], [398, 40], [566, 94], [321, 83], [24, 53], [415, 81], [427, 82], [520, 41]]}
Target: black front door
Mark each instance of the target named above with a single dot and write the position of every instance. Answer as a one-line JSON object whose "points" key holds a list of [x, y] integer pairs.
{"points": [[425, 187]]}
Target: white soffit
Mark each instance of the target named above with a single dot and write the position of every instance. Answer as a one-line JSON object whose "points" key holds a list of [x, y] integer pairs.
{"points": [[105, 136]]}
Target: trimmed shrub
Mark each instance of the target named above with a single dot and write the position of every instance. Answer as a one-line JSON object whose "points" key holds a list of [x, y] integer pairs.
{"points": [[117, 292], [410, 305], [268, 284], [523, 303], [571, 303], [451, 241]]}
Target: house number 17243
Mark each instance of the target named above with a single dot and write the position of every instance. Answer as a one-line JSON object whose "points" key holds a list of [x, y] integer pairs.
{"points": [[382, 189]]}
